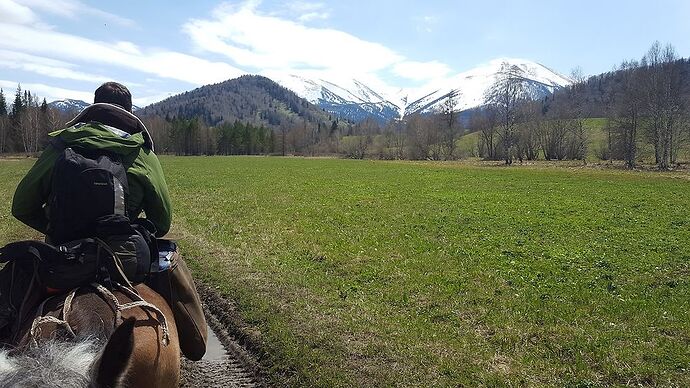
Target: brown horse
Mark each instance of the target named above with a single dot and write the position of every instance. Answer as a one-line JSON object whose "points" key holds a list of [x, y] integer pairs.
{"points": [[92, 337]]}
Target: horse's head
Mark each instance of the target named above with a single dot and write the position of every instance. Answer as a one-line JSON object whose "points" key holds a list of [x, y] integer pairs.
{"points": [[97, 354], [110, 367], [84, 363]]}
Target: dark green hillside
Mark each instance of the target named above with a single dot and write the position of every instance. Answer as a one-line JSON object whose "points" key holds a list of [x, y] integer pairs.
{"points": [[251, 99]]}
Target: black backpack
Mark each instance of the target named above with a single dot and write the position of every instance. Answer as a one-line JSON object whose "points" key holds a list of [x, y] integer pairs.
{"points": [[86, 186]]}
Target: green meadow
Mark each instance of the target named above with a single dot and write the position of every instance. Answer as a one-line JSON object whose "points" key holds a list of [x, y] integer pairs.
{"points": [[371, 273]]}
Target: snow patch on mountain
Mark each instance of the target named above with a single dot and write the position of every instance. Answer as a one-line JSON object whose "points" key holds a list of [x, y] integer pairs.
{"points": [[352, 99], [356, 100], [68, 105], [473, 84]]}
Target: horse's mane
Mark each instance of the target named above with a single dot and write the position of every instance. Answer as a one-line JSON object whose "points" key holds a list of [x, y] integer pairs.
{"points": [[55, 363]]}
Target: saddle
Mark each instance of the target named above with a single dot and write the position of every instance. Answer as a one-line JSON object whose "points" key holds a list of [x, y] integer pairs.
{"points": [[35, 270]]}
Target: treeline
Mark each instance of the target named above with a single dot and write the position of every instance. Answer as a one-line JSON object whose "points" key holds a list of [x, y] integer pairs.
{"points": [[644, 102], [650, 105], [431, 137], [194, 137], [25, 124]]}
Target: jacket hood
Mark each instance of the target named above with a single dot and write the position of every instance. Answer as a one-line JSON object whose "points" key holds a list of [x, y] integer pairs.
{"points": [[114, 116], [95, 135]]}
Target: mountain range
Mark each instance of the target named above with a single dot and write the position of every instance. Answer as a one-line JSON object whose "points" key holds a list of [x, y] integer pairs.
{"points": [[355, 100], [68, 105]]}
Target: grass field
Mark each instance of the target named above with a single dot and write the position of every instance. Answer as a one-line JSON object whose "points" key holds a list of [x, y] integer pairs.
{"points": [[356, 273]]}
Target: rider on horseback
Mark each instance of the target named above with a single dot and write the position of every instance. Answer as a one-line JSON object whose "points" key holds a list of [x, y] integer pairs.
{"points": [[109, 127], [86, 192]]}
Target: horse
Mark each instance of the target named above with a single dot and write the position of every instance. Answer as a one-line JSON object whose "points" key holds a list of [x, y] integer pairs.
{"points": [[94, 337]]}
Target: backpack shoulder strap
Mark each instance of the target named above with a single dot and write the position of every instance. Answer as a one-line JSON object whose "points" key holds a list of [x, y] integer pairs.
{"points": [[57, 142]]}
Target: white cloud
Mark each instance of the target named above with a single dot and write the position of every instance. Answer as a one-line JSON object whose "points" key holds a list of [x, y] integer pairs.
{"points": [[148, 99], [253, 39], [421, 71], [273, 43], [46, 67], [74, 9], [305, 17], [263, 42], [11, 12], [128, 47], [50, 93], [167, 64], [304, 6], [426, 23], [308, 11]]}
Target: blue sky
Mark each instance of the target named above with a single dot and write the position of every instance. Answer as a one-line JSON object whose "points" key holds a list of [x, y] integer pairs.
{"points": [[66, 48]]}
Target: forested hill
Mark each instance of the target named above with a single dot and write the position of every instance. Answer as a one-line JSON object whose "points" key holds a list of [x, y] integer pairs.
{"points": [[250, 99], [596, 96]]}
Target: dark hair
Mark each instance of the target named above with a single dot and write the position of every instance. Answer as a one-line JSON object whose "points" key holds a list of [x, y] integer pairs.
{"points": [[114, 93]]}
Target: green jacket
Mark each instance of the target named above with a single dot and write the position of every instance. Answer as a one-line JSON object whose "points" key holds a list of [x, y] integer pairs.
{"points": [[148, 191]]}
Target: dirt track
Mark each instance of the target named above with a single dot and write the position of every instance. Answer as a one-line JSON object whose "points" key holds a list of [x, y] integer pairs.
{"points": [[227, 364]]}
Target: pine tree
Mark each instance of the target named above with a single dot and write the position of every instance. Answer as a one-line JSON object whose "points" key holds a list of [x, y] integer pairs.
{"points": [[3, 104], [18, 106], [3, 122]]}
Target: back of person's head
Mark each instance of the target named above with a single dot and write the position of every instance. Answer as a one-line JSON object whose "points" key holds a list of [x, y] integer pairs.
{"points": [[114, 93]]}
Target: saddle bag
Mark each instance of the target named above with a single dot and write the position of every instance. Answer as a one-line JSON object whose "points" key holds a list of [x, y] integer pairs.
{"points": [[59, 268], [129, 243], [171, 278]]}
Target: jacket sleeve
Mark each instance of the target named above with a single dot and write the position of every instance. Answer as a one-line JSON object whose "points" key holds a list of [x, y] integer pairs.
{"points": [[31, 195], [156, 201]]}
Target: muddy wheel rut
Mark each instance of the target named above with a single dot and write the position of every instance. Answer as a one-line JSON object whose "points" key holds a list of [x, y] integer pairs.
{"points": [[226, 363]]}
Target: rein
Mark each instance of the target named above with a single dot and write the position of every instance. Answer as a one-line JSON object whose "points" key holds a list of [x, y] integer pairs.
{"points": [[138, 301]]}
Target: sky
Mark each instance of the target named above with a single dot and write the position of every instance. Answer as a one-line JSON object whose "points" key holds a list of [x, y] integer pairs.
{"points": [[67, 48]]}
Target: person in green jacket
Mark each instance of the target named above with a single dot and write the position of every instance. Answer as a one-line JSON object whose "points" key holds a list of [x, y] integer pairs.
{"points": [[107, 125]]}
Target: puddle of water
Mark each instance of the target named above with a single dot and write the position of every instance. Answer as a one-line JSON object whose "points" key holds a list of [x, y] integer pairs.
{"points": [[214, 349]]}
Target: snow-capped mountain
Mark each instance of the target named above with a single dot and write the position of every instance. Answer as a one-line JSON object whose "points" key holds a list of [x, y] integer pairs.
{"points": [[71, 106], [471, 86], [68, 105], [355, 100]]}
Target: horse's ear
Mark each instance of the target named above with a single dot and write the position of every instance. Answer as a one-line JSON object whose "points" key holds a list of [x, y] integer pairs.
{"points": [[112, 364]]}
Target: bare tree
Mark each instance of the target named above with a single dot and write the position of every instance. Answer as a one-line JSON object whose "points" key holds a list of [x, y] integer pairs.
{"points": [[4, 129], [450, 131], [4, 122], [527, 139], [486, 123], [505, 95], [664, 105], [362, 135], [422, 135], [392, 143], [283, 138], [628, 105], [399, 140], [30, 124], [577, 147], [577, 76]]}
